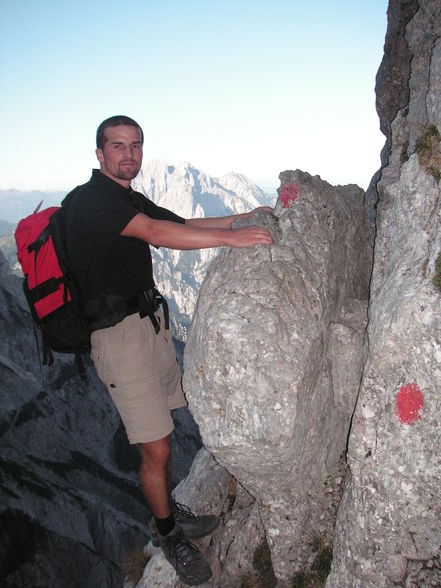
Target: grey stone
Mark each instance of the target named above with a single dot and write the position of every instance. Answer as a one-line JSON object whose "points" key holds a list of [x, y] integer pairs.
{"points": [[263, 372], [388, 529], [392, 89]]}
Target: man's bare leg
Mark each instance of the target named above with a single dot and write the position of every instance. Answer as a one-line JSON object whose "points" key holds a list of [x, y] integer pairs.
{"points": [[155, 475], [155, 481]]}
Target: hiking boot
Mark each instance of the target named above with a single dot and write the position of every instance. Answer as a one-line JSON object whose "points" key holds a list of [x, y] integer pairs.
{"points": [[185, 557], [194, 526]]}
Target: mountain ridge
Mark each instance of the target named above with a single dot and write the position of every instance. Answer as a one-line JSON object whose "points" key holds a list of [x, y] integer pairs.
{"points": [[16, 204]]}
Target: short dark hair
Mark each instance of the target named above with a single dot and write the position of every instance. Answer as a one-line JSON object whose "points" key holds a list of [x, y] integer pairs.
{"points": [[115, 121]]}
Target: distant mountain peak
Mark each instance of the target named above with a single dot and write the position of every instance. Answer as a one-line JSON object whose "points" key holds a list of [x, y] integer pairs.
{"points": [[185, 189]]}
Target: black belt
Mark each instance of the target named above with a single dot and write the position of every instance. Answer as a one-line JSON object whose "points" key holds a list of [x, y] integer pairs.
{"points": [[111, 310]]}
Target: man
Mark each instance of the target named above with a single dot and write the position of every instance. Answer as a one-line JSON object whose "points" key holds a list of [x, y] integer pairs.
{"points": [[109, 230]]}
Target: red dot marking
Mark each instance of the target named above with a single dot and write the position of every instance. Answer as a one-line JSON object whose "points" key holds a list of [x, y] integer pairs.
{"points": [[409, 403], [289, 195]]}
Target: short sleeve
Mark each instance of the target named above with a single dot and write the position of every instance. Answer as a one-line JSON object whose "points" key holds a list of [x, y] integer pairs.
{"points": [[149, 208], [104, 216]]}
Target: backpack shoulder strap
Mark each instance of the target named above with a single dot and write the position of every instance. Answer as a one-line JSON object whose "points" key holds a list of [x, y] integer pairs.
{"points": [[40, 241]]}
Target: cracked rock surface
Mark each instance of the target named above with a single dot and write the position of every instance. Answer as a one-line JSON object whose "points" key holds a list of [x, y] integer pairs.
{"points": [[274, 358], [388, 531]]}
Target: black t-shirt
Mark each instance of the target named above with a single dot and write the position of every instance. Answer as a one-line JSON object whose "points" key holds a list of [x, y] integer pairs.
{"points": [[104, 261]]}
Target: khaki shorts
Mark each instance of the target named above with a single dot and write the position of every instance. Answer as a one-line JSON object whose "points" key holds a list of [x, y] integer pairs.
{"points": [[142, 375]]}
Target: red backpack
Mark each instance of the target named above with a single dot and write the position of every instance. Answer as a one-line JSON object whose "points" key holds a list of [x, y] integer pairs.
{"points": [[49, 284]]}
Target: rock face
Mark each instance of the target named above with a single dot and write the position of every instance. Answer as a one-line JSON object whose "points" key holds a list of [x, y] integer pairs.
{"points": [[275, 354], [274, 358], [392, 89], [389, 530]]}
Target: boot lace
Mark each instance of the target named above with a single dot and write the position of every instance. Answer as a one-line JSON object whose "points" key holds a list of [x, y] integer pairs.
{"points": [[181, 549], [181, 511]]}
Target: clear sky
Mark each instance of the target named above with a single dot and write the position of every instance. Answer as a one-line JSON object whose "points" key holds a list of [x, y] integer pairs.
{"points": [[251, 86]]}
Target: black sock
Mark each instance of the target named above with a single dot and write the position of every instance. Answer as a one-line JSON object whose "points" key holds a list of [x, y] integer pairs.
{"points": [[165, 525]]}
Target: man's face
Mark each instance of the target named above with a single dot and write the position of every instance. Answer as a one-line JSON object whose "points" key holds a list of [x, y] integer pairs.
{"points": [[121, 157]]}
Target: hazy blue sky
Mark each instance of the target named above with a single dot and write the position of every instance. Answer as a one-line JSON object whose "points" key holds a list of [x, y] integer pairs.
{"points": [[255, 87]]}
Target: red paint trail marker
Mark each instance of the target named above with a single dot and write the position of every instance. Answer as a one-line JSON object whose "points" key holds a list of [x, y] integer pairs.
{"points": [[289, 195], [409, 403]]}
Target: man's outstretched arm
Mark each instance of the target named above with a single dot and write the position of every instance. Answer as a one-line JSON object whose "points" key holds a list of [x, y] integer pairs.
{"points": [[195, 235], [224, 222]]}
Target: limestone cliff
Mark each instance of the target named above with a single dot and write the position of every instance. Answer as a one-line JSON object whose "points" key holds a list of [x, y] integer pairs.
{"points": [[388, 531]]}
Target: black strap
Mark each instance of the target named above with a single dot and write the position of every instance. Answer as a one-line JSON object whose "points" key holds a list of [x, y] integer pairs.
{"points": [[45, 289], [110, 310], [40, 240], [40, 363], [166, 313], [80, 366], [48, 356], [150, 301], [48, 359]]}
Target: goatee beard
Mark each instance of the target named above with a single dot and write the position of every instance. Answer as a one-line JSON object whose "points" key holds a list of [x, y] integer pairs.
{"points": [[128, 174]]}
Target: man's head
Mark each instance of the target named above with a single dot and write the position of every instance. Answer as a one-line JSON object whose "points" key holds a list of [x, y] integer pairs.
{"points": [[115, 121], [119, 141]]}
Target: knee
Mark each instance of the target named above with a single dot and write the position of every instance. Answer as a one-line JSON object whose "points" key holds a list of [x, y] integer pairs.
{"points": [[156, 452]]}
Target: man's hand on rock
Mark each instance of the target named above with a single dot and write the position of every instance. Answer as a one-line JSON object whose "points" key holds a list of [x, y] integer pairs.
{"points": [[249, 236]]}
